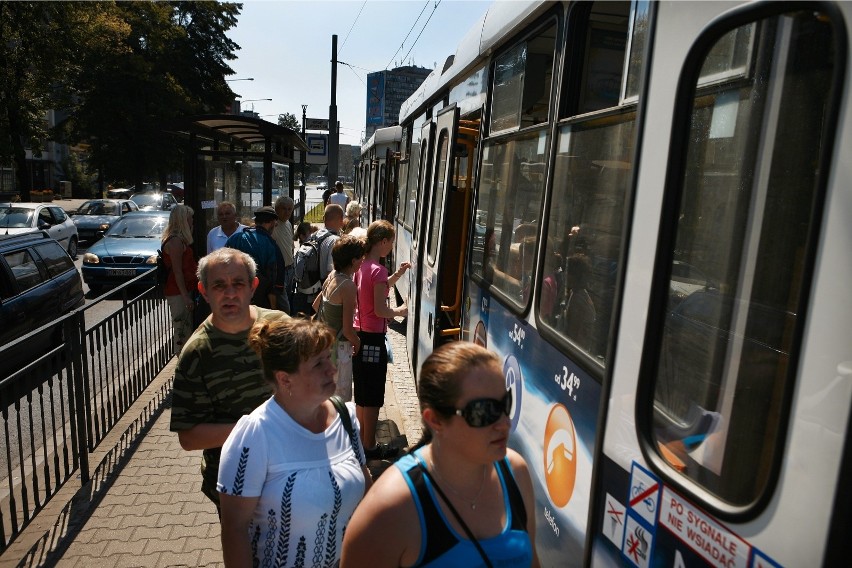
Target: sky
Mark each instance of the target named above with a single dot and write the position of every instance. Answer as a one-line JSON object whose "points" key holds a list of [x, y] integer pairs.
{"points": [[286, 47]]}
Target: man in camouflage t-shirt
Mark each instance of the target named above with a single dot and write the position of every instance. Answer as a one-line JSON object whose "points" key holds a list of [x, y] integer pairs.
{"points": [[218, 377]]}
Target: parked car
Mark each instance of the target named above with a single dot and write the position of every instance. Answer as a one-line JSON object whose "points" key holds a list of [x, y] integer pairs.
{"points": [[38, 284], [119, 193], [93, 218], [16, 218], [154, 201], [176, 189], [127, 249]]}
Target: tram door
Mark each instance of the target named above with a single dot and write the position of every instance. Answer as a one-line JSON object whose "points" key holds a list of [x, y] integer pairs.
{"points": [[427, 141], [440, 242]]}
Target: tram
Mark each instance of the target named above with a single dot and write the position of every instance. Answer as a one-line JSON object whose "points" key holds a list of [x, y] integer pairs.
{"points": [[643, 208]]}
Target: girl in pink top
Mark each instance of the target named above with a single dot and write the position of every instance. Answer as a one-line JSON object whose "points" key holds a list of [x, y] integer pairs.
{"points": [[370, 365]]}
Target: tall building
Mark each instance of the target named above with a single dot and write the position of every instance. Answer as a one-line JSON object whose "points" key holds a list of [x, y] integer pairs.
{"points": [[386, 91]]}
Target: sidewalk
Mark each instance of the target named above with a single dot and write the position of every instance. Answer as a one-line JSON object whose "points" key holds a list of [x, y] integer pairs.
{"points": [[144, 507]]}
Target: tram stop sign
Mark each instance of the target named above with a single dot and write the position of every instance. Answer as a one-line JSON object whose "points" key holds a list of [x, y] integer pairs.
{"points": [[318, 148]]}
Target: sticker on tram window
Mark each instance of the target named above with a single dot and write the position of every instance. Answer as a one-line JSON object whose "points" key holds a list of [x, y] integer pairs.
{"points": [[710, 540], [644, 495], [613, 520]]}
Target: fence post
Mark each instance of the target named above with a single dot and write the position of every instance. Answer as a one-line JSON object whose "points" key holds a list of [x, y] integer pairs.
{"points": [[75, 339]]}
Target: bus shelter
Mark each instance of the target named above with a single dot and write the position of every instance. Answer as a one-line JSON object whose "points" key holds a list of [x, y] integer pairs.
{"points": [[241, 159]]}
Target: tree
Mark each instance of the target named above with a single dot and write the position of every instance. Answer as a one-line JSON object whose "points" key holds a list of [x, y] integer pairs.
{"points": [[289, 120], [40, 50], [172, 63]]}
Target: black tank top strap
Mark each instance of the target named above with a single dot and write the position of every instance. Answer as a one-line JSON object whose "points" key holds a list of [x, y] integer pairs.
{"points": [[437, 536], [516, 500]]}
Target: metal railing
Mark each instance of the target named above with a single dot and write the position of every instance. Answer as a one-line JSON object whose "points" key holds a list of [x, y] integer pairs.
{"points": [[59, 407], [312, 212]]}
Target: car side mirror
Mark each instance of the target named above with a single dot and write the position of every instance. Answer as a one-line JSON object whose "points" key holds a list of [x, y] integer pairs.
{"points": [[43, 224]]}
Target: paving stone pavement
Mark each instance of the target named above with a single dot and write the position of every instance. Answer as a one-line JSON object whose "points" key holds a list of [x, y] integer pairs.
{"points": [[144, 506]]}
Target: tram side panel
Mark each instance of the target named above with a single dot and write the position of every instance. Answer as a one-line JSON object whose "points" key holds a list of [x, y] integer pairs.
{"points": [[727, 350]]}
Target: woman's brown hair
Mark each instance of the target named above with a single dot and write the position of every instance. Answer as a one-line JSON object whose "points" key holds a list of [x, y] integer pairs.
{"points": [[284, 343]]}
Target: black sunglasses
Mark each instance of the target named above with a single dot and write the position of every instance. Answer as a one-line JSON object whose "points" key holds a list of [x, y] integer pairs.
{"points": [[482, 412]]}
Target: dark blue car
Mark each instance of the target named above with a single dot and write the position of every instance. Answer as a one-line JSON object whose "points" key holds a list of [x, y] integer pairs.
{"points": [[127, 250]]}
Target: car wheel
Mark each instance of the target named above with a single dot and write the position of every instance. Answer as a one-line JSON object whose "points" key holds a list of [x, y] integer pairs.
{"points": [[72, 248]]}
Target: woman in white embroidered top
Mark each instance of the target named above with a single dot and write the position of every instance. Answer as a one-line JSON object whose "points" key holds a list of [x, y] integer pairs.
{"points": [[292, 472]]}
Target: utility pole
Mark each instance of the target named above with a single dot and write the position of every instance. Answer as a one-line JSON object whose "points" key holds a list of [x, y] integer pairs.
{"points": [[303, 155], [333, 133]]}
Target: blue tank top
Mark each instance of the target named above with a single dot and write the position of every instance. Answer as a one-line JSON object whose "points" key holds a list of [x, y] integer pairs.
{"points": [[441, 545]]}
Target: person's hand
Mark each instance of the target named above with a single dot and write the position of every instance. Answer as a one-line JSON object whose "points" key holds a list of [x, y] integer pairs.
{"points": [[356, 346], [187, 301], [401, 311], [403, 267]]}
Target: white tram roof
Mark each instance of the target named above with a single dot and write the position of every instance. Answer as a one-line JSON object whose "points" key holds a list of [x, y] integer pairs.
{"points": [[385, 135], [494, 27]]}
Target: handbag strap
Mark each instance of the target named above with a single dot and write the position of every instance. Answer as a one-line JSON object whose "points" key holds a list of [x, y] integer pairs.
{"points": [[347, 423], [464, 526]]}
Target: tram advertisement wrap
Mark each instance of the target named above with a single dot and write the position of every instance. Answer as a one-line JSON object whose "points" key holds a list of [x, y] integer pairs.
{"points": [[553, 425]]}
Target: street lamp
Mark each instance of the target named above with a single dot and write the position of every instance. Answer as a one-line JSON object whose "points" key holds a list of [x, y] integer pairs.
{"points": [[243, 79]]}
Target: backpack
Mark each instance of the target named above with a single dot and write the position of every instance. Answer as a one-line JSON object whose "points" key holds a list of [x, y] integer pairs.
{"points": [[306, 268]]}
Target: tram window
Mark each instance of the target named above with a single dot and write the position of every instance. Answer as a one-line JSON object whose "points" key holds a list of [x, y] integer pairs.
{"points": [[742, 236], [590, 184], [639, 25], [413, 176], [438, 200], [511, 185], [522, 83]]}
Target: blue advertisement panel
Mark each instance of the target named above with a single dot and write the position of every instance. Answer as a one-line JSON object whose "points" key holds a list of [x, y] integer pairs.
{"points": [[375, 98], [554, 417]]}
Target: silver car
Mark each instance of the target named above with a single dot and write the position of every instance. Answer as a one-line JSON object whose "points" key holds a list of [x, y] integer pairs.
{"points": [[16, 218], [93, 218]]}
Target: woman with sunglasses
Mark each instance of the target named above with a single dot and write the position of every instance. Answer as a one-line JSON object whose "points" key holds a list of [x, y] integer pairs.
{"points": [[460, 497]]}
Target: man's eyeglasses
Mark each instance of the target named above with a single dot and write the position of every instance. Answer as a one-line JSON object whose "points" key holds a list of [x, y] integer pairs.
{"points": [[482, 412]]}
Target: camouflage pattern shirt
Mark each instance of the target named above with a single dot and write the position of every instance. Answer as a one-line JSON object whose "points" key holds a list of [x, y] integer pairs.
{"points": [[218, 379]]}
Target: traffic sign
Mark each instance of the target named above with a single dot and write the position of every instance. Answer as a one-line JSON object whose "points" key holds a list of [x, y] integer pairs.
{"points": [[316, 124], [318, 148]]}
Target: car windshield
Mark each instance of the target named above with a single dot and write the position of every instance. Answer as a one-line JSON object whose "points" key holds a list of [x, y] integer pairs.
{"points": [[98, 208], [145, 199], [16, 217], [138, 227]]}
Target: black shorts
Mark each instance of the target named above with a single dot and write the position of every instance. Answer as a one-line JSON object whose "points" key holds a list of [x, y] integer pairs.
{"points": [[370, 370]]}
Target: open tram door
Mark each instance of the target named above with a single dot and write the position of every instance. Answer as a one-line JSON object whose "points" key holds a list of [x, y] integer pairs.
{"points": [[444, 233]]}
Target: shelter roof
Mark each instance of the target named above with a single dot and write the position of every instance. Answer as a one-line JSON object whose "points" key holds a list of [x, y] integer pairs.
{"points": [[238, 130]]}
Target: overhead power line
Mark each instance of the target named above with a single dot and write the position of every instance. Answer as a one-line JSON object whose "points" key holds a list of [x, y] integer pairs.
{"points": [[409, 33], [350, 28], [438, 3]]}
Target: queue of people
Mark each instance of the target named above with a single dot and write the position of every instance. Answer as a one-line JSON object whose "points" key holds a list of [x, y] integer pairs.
{"points": [[266, 393]]}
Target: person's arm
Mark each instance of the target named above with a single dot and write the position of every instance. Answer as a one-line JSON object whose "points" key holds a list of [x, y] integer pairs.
{"points": [[394, 278], [348, 298], [174, 248], [384, 531], [522, 476], [380, 294], [237, 513], [204, 436], [317, 301]]}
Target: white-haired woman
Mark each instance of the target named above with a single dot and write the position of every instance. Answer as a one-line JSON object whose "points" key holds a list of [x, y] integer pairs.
{"points": [[353, 217], [182, 282]]}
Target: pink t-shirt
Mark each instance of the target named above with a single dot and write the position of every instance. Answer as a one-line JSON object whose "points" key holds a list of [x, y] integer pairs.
{"points": [[368, 276]]}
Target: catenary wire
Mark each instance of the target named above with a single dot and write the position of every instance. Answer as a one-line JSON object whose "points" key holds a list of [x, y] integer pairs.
{"points": [[408, 34]]}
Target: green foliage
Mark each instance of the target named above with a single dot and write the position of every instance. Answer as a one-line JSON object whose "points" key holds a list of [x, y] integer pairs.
{"points": [[289, 120], [120, 71]]}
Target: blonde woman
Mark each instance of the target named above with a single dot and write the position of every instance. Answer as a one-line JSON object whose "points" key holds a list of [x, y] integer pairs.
{"points": [[182, 283]]}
